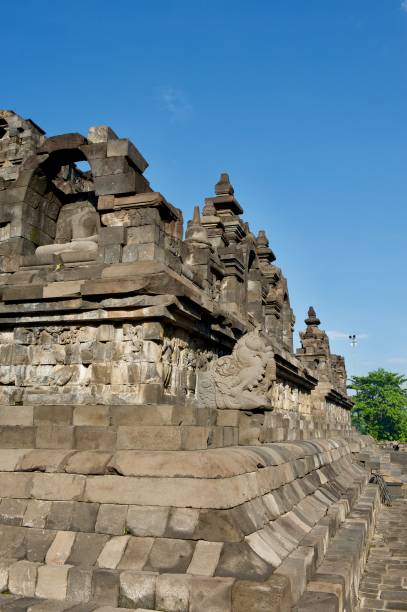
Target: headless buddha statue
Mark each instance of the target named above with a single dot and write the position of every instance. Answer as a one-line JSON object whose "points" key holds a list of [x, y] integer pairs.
{"points": [[76, 237]]}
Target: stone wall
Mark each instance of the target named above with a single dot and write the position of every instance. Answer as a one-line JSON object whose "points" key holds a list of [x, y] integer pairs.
{"points": [[135, 363], [103, 300], [161, 445]]}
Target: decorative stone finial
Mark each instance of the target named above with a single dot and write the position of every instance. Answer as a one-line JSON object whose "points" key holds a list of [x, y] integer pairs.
{"points": [[195, 231], [312, 318], [262, 239], [249, 233], [224, 186], [263, 249], [209, 209]]}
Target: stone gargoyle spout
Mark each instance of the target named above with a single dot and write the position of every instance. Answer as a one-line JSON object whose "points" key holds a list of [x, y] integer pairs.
{"points": [[239, 381]]}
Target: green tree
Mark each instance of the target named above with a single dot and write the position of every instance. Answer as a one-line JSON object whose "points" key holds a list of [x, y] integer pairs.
{"points": [[380, 405]]}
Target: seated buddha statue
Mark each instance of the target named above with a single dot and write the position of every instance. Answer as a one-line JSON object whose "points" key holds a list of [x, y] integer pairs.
{"points": [[76, 237]]}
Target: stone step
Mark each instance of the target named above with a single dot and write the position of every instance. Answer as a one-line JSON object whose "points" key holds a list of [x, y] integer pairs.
{"points": [[311, 503], [334, 585], [121, 437], [32, 528], [97, 415], [222, 425], [29, 584], [107, 428], [148, 488], [215, 522], [203, 463], [236, 482], [75, 567], [15, 603], [384, 584]]}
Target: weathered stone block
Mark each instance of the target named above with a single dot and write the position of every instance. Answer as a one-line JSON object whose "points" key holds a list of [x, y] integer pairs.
{"points": [[238, 560], [105, 587], [182, 523], [88, 462], [105, 333], [13, 542], [205, 558], [44, 460], [62, 289], [111, 519], [108, 166], [23, 578], [123, 147], [217, 525], [111, 253], [168, 555], [99, 134], [37, 543], [91, 415], [97, 438], [84, 516], [136, 553], [317, 602], [87, 548], [143, 234], [112, 235], [120, 183], [112, 552], [36, 513], [61, 548], [52, 582], [213, 593], [4, 573], [17, 437], [16, 415], [149, 438], [130, 253], [16, 485], [147, 520], [137, 589], [60, 515], [101, 373], [79, 587], [173, 592], [12, 511], [10, 458], [53, 414], [274, 594], [61, 487], [54, 436], [153, 330]]}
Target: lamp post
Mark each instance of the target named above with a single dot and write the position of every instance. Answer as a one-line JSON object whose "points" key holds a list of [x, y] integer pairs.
{"points": [[353, 340]]}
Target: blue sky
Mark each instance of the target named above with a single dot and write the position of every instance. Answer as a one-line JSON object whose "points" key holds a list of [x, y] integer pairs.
{"points": [[303, 102]]}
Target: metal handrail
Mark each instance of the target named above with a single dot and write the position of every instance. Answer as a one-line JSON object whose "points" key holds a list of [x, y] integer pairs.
{"points": [[377, 478]]}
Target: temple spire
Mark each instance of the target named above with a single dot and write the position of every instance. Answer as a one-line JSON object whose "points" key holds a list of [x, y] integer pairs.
{"points": [[196, 232], [312, 319], [224, 186], [263, 248], [262, 239]]}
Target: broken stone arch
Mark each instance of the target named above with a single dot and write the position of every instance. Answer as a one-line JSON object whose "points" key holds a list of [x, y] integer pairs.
{"points": [[50, 179], [47, 177]]}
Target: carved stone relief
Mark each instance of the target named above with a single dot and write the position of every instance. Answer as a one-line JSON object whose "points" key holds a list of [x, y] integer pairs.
{"points": [[241, 380]]}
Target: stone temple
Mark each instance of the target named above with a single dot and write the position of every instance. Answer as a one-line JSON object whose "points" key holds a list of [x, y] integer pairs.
{"points": [[162, 446]]}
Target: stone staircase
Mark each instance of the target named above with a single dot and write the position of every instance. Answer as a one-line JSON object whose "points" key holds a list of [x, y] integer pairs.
{"points": [[384, 583], [153, 507]]}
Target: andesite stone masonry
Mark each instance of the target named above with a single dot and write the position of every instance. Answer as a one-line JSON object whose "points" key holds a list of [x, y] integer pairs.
{"points": [[162, 446]]}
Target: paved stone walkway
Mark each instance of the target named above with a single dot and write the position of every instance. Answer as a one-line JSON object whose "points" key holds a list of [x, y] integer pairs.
{"points": [[384, 583]]}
